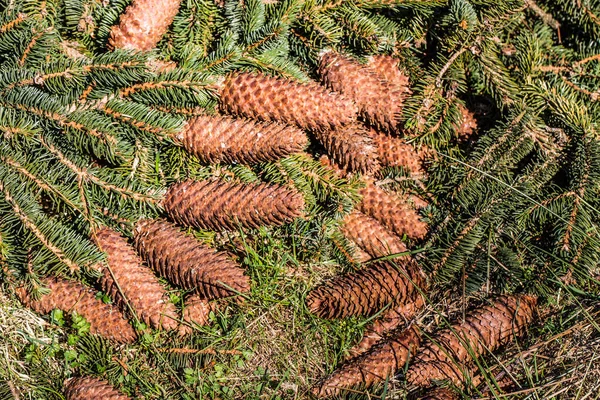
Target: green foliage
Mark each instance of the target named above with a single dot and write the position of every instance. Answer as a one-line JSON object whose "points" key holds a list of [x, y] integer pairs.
{"points": [[88, 138]]}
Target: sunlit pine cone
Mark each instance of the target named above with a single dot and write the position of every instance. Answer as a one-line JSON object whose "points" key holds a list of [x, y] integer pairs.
{"points": [[390, 319], [128, 281], [367, 290], [351, 147], [394, 211], [89, 388], [373, 367], [486, 328], [105, 320], [370, 235], [196, 311], [396, 152], [388, 68], [379, 103], [468, 123], [307, 105], [186, 262], [143, 24], [218, 205], [223, 139]]}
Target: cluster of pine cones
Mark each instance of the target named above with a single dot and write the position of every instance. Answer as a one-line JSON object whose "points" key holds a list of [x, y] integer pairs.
{"points": [[355, 115]]}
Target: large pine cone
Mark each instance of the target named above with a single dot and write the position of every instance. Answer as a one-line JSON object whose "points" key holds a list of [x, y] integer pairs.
{"points": [[216, 139], [143, 24], [104, 319], [485, 329], [218, 205], [378, 102], [307, 105], [196, 310], [393, 211], [138, 284], [371, 236], [367, 290], [395, 152], [90, 388], [388, 68], [374, 366], [351, 147], [391, 319], [186, 262]]}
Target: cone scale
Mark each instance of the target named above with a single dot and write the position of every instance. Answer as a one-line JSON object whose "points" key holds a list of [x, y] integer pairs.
{"points": [[196, 311]]}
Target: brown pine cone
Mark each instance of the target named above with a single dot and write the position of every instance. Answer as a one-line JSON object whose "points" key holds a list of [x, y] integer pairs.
{"points": [[439, 394], [186, 262], [89, 388], [391, 319], [143, 24], [216, 139], [485, 329], [374, 366], [196, 310], [395, 152], [388, 68], [367, 290], [217, 205], [104, 319], [379, 103], [307, 105], [393, 211], [468, 124], [371, 236], [137, 283], [351, 147], [329, 163]]}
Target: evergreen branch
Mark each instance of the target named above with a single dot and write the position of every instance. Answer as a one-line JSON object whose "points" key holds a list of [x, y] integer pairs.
{"points": [[85, 175], [20, 18], [32, 227]]}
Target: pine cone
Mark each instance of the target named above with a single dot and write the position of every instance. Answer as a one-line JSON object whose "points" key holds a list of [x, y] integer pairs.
{"points": [[216, 139], [373, 367], [218, 205], [485, 329], [196, 310], [378, 102], [391, 319], [367, 290], [89, 388], [143, 24], [186, 262], [327, 162], [395, 152], [351, 147], [307, 105], [104, 319], [388, 68], [468, 124], [393, 211], [371, 236], [440, 394], [138, 284]]}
